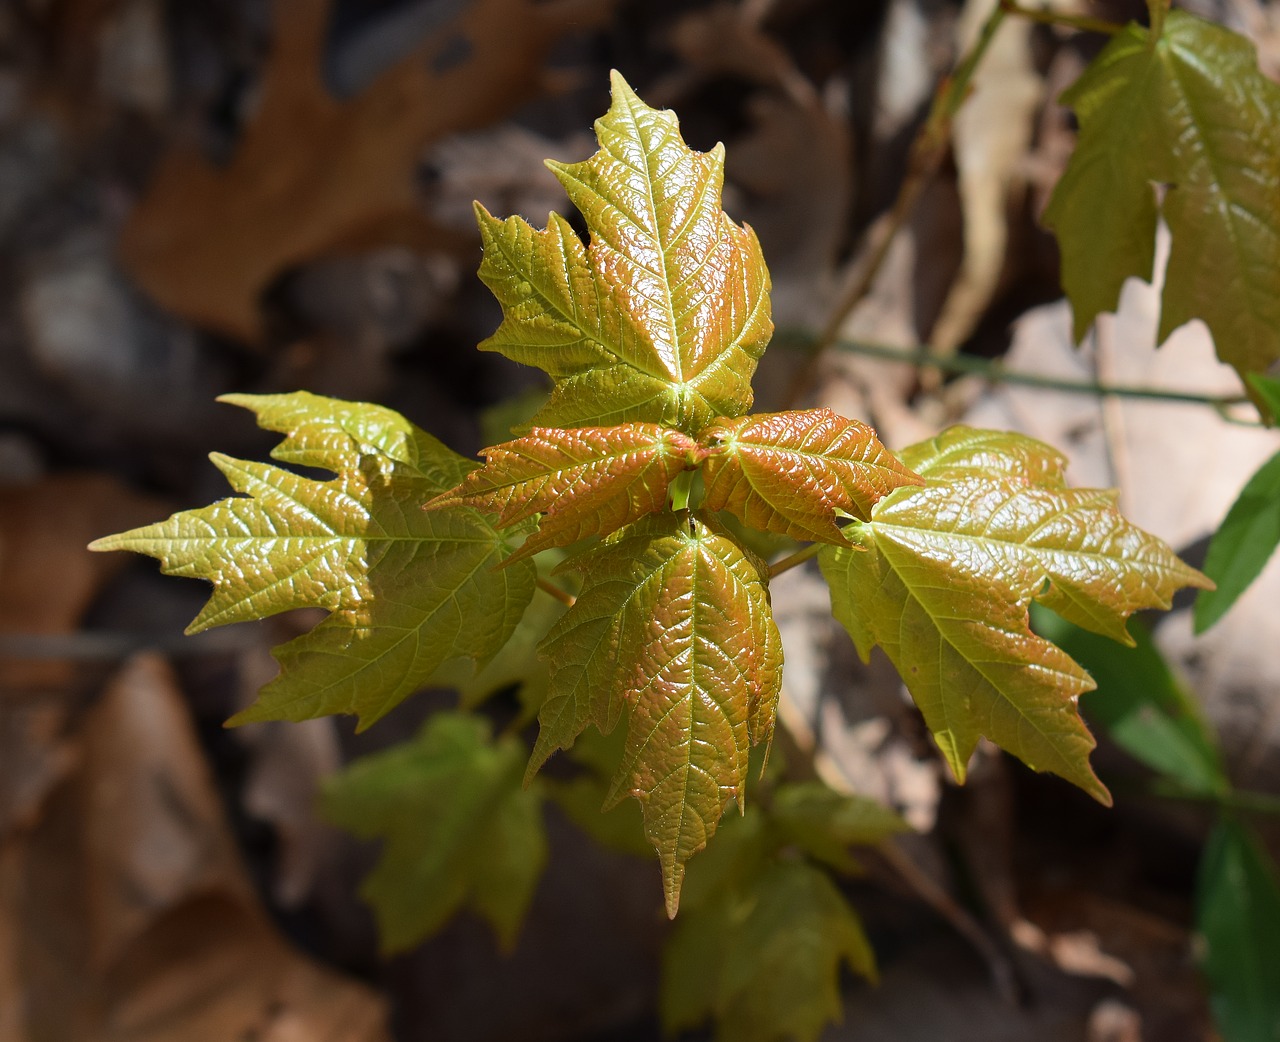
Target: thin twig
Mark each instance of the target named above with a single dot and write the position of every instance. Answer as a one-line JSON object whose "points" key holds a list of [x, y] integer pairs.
{"points": [[1068, 21], [1233, 799], [995, 371], [927, 152]]}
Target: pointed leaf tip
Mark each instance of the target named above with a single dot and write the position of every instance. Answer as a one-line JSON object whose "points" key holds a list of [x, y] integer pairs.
{"points": [[662, 318], [406, 590], [673, 625], [799, 472], [948, 579]]}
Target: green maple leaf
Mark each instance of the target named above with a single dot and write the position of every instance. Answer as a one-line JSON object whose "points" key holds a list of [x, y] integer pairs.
{"points": [[1250, 532], [663, 317], [764, 957], [825, 823], [942, 578], [797, 472], [406, 589], [585, 482], [459, 829], [1188, 110], [673, 623], [764, 935]]}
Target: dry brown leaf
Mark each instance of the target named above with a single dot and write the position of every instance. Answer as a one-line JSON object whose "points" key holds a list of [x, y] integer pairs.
{"points": [[289, 762], [315, 175], [134, 918], [34, 756], [47, 575]]}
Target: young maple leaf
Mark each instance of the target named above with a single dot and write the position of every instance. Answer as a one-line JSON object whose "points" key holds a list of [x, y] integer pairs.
{"points": [[949, 575], [459, 829], [1190, 110], [587, 481], [764, 958], [407, 589], [673, 622], [797, 472], [663, 317]]}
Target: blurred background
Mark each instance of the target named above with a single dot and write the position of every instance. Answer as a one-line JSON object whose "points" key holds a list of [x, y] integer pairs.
{"points": [[206, 196]]}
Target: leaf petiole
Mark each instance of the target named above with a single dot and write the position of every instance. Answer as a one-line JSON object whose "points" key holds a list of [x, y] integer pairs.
{"points": [[562, 595], [681, 490], [794, 560]]}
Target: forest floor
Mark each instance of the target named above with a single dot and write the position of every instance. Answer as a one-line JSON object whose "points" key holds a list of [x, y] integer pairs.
{"points": [[219, 196]]}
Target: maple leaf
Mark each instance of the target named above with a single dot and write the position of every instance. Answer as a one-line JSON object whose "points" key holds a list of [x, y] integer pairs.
{"points": [[764, 958], [663, 317], [947, 578], [1189, 110], [406, 589], [1250, 532], [459, 829], [673, 622], [796, 472], [585, 482], [825, 823], [314, 175]]}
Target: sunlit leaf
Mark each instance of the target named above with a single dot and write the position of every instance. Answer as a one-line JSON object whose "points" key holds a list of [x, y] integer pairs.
{"points": [[1188, 111], [458, 829], [406, 588], [946, 574], [585, 482], [1238, 917], [663, 317], [673, 624], [797, 472]]}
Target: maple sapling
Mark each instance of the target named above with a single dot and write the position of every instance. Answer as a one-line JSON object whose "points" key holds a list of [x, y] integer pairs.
{"points": [[650, 333]]}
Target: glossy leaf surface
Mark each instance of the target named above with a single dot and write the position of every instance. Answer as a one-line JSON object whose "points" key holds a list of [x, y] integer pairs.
{"points": [[764, 959], [663, 317], [458, 829], [1189, 111], [673, 624], [797, 472], [1238, 916], [587, 481], [947, 573], [406, 589]]}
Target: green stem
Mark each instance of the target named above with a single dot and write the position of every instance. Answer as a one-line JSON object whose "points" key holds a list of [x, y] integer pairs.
{"points": [[1069, 21], [1232, 799], [795, 560], [681, 489], [563, 596], [994, 370], [927, 153], [1157, 9]]}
